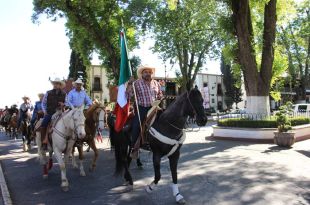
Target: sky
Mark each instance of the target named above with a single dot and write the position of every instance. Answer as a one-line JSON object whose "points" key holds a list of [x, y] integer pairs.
{"points": [[31, 53]]}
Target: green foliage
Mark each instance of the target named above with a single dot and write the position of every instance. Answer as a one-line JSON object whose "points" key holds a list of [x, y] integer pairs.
{"points": [[267, 123], [247, 123], [294, 37], [76, 66], [184, 31], [92, 26], [233, 93], [282, 117]]}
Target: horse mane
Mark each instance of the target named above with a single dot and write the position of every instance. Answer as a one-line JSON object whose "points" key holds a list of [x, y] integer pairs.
{"points": [[170, 112], [92, 108]]}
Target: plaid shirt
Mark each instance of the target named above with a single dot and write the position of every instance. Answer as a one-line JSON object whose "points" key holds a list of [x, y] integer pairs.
{"points": [[147, 93]]}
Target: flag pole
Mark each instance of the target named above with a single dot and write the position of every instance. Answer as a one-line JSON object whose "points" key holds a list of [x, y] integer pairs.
{"points": [[131, 73]]}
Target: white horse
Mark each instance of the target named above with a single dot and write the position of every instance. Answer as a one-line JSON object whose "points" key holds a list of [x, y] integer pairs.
{"points": [[66, 130]]}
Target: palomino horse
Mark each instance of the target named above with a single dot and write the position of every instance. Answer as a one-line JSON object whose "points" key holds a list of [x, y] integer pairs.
{"points": [[67, 128], [94, 124], [166, 136]]}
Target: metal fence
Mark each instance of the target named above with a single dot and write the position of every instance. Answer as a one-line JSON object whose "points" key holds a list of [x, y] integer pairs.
{"points": [[258, 116]]}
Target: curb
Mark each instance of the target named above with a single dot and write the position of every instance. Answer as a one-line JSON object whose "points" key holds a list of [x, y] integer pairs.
{"points": [[4, 189]]}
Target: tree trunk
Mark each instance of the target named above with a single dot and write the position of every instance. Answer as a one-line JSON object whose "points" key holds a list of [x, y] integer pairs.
{"points": [[257, 83]]}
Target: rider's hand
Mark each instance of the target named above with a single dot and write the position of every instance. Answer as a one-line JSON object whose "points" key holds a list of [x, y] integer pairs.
{"points": [[61, 104], [131, 80]]}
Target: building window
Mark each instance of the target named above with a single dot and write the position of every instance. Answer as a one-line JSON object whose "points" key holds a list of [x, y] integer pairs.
{"points": [[219, 89], [97, 84], [213, 101]]}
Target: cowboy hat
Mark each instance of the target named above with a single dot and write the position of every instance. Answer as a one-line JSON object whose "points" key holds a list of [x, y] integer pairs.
{"points": [[41, 94], [78, 81], [58, 80], [145, 67], [25, 97]]}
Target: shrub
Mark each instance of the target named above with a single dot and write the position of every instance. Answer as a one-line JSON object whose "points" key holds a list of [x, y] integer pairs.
{"points": [[282, 117], [267, 123]]}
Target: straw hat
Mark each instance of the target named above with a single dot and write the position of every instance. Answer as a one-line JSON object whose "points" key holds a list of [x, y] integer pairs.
{"points": [[144, 67], [58, 80], [41, 95], [78, 81], [26, 97]]}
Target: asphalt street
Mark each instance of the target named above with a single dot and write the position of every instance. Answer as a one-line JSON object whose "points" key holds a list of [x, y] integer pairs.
{"points": [[211, 172]]}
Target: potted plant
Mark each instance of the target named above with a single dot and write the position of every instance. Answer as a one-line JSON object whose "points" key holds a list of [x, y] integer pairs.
{"points": [[284, 137]]}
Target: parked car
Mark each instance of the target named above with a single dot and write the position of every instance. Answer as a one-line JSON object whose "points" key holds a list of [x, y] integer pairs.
{"points": [[301, 108]]}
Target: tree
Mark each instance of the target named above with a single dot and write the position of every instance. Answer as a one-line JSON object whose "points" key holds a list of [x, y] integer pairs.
{"points": [[92, 26], [295, 38], [233, 92], [256, 79], [77, 68], [184, 32]]}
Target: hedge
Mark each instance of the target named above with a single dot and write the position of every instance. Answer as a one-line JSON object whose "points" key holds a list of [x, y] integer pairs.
{"points": [[267, 123]]}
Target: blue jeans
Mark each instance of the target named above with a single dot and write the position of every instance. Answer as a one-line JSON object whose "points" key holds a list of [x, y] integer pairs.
{"points": [[47, 118], [135, 131]]}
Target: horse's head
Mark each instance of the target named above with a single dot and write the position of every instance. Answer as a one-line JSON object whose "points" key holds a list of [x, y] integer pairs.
{"points": [[78, 122], [195, 107], [97, 113]]}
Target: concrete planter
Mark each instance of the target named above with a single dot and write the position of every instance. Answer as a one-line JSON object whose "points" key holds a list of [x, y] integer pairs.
{"points": [[302, 132], [284, 139]]}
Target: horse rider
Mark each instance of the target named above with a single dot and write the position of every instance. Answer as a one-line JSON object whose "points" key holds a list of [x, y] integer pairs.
{"points": [[24, 111], [52, 100], [147, 91], [37, 109], [78, 97]]}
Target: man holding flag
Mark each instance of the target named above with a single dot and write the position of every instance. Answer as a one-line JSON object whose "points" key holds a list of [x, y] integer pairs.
{"points": [[145, 91]]}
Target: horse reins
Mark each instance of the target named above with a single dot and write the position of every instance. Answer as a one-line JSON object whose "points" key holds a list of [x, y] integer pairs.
{"points": [[194, 111]]}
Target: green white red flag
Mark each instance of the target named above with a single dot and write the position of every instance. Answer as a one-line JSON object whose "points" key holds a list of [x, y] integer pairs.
{"points": [[123, 104]]}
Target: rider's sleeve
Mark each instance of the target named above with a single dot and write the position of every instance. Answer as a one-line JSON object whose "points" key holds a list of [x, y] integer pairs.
{"points": [[88, 101], [44, 102], [69, 99]]}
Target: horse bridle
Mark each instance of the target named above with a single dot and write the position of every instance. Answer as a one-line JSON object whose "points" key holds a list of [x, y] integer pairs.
{"points": [[193, 109], [99, 120], [74, 130]]}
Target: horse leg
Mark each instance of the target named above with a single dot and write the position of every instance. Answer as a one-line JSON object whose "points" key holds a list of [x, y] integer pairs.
{"points": [[139, 163], [156, 165], [81, 158], [62, 165], [39, 144], [74, 164], [173, 162], [92, 144]]}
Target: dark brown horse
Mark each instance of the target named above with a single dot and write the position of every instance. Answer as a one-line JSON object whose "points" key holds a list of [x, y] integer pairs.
{"points": [[12, 126], [94, 124]]}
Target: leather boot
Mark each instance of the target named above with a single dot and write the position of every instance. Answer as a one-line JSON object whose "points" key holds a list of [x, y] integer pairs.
{"points": [[44, 138]]}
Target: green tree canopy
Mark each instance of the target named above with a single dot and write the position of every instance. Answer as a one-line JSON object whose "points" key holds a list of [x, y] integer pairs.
{"points": [[92, 26]]}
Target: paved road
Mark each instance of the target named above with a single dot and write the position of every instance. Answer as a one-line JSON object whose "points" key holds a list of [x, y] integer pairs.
{"points": [[210, 172]]}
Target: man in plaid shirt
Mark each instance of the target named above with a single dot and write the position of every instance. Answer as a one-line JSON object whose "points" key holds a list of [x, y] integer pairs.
{"points": [[147, 90]]}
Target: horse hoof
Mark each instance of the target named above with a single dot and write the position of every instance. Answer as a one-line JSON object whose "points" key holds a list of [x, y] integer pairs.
{"points": [[129, 188], [148, 189], [45, 176], [24, 148], [65, 188], [82, 174], [181, 201]]}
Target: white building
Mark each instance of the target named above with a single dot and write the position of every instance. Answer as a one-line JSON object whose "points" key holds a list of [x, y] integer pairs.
{"points": [[98, 83], [213, 91]]}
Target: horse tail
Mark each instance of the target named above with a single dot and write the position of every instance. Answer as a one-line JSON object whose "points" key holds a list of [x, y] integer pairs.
{"points": [[120, 144]]}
